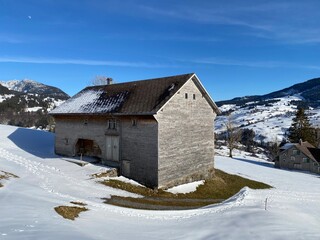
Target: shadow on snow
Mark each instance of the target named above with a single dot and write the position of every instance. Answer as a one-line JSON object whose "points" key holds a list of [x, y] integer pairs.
{"points": [[36, 142], [264, 164]]}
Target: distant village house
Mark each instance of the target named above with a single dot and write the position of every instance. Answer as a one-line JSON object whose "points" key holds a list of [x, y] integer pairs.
{"points": [[158, 132], [299, 156]]}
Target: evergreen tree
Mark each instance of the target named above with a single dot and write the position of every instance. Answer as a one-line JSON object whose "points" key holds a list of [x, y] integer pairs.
{"points": [[247, 139], [301, 128]]}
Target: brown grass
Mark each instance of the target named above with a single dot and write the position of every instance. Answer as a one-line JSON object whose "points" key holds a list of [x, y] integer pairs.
{"points": [[214, 190], [6, 175], [69, 212], [78, 203], [109, 173]]}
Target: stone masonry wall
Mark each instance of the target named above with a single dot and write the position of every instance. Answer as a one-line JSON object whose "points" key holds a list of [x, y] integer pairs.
{"points": [[139, 146], [69, 129], [186, 139]]}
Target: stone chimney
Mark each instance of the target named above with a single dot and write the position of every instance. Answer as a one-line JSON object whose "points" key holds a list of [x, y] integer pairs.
{"points": [[109, 81], [300, 141]]}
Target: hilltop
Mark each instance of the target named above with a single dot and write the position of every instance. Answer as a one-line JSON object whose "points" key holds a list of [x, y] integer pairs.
{"points": [[26, 102], [270, 115]]}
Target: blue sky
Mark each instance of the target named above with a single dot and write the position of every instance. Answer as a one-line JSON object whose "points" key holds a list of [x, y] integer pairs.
{"points": [[236, 48]]}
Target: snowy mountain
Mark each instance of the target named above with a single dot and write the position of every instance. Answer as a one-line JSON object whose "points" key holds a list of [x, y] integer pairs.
{"points": [[307, 91], [271, 115], [30, 86], [26, 102]]}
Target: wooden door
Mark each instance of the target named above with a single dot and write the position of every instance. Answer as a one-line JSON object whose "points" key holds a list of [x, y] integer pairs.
{"points": [[112, 148]]}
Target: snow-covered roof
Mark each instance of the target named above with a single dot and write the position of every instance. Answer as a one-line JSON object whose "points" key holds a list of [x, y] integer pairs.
{"points": [[287, 146], [138, 97], [92, 101]]}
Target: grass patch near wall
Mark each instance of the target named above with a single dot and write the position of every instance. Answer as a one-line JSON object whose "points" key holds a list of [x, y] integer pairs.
{"points": [[214, 190]]}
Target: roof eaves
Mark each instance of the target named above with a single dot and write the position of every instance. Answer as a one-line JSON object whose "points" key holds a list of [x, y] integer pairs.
{"points": [[305, 151], [105, 114]]}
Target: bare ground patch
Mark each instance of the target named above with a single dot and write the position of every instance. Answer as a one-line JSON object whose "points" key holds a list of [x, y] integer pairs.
{"points": [[70, 212], [6, 176]]}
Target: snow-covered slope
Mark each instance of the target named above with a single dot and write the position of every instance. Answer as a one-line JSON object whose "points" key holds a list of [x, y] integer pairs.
{"points": [[271, 115], [270, 121], [46, 181]]}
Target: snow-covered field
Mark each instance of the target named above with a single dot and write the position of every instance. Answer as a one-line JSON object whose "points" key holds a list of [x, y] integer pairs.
{"points": [[46, 181]]}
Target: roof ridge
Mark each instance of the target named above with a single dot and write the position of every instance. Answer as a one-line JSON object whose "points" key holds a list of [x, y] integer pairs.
{"points": [[142, 80]]}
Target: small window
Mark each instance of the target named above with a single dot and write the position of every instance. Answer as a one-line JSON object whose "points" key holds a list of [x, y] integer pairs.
{"points": [[293, 158], [134, 122], [66, 141], [112, 124], [194, 97], [186, 95], [305, 160], [296, 152]]}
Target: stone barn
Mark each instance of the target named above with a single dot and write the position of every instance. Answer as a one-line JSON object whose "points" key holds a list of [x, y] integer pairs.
{"points": [[158, 132], [299, 156]]}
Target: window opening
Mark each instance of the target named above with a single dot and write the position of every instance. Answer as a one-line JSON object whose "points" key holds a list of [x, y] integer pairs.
{"points": [[134, 122], [112, 124]]}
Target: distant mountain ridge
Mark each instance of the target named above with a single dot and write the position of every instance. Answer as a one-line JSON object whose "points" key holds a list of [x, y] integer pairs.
{"points": [[26, 102], [30, 86], [309, 92]]}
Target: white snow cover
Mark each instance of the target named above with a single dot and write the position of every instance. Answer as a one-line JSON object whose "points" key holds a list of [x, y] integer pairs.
{"points": [[186, 188], [88, 102], [46, 181], [270, 123], [33, 109], [18, 85], [5, 97]]}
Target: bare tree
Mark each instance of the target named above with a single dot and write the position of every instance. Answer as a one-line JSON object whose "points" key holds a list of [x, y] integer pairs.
{"points": [[274, 149], [317, 132], [101, 80], [233, 134]]}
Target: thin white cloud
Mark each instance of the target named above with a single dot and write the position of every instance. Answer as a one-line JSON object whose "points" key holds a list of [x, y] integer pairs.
{"points": [[230, 62], [293, 22], [163, 37], [252, 64], [81, 62]]}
